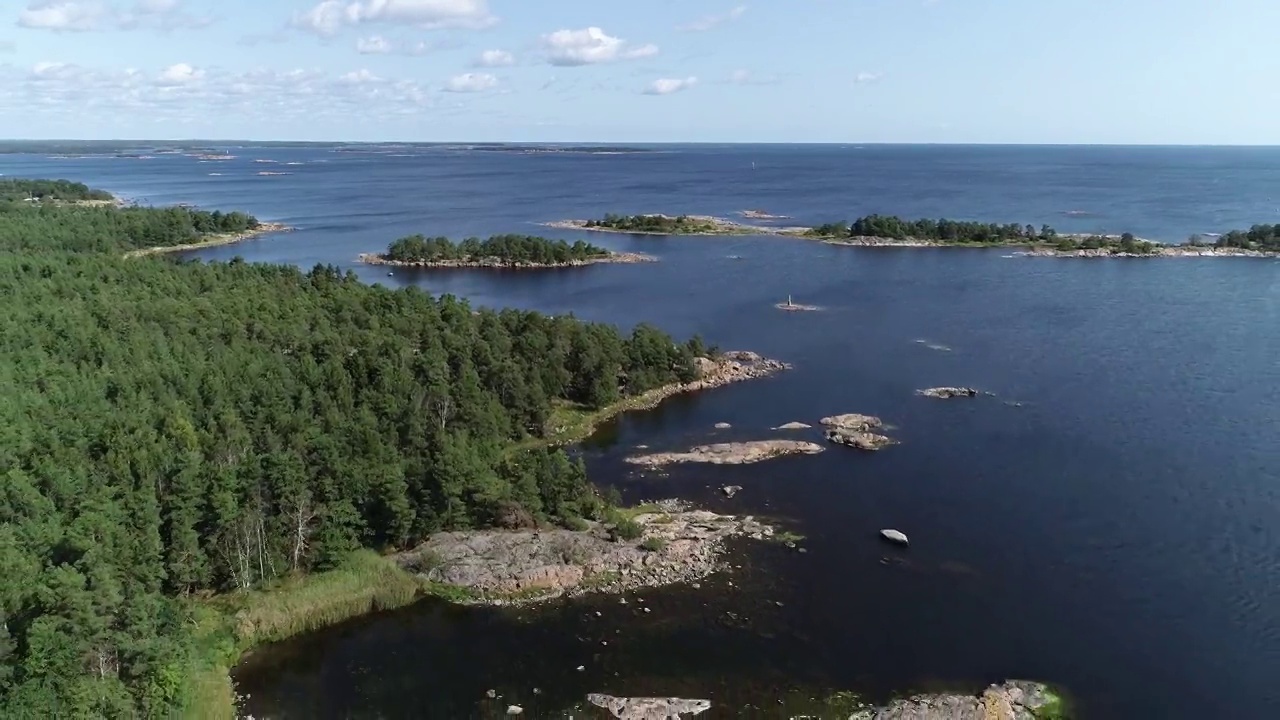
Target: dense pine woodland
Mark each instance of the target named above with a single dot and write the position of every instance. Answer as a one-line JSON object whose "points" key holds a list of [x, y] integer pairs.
{"points": [[513, 249], [173, 430]]}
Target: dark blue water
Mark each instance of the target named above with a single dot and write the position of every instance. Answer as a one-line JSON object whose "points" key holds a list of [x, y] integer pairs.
{"points": [[1118, 533]]}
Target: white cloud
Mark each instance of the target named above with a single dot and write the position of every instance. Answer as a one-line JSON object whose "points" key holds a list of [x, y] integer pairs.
{"points": [[667, 86], [864, 77], [330, 16], [373, 45], [471, 82], [180, 74], [495, 58], [7, 46], [90, 15], [52, 91], [591, 46], [710, 22]]}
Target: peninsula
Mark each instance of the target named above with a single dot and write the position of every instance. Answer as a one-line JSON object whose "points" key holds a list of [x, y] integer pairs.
{"points": [[498, 252], [208, 456], [892, 231]]}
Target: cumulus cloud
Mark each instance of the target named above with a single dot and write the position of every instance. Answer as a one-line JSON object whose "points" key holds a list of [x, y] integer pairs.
{"points": [[91, 15], [180, 74], [373, 45], [495, 58], [330, 16], [591, 46], [183, 93], [667, 86], [471, 82], [864, 77], [710, 22]]}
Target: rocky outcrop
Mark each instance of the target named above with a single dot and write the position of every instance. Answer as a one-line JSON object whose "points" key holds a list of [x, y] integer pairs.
{"points": [[497, 567], [1014, 700], [853, 422], [946, 393], [738, 453], [1159, 251], [794, 426], [860, 440], [497, 263], [649, 708], [723, 426], [731, 490]]}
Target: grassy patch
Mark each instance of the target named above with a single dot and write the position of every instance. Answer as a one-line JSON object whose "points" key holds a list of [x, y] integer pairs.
{"points": [[631, 513], [600, 579], [366, 582], [628, 529], [787, 536], [654, 544], [226, 626], [1056, 709]]}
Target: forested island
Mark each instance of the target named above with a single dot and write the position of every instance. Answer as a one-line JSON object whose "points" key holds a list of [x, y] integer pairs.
{"points": [[499, 251], [893, 231], [199, 457], [19, 189]]}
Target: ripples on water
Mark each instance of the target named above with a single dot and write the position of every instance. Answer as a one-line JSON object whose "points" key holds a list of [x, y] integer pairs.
{"points": [[1117, 532]]}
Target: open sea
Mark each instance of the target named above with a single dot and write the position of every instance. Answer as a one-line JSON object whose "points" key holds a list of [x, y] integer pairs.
{"points": [[1109, 522]]}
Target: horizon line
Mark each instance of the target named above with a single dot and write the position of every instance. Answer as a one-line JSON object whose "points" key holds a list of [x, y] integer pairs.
{"points": [[631, 142]]}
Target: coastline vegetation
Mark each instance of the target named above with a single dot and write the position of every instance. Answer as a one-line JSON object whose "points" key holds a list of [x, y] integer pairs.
{"points": [[657, 224], [202, 456], [26, 190], [507, 249]]}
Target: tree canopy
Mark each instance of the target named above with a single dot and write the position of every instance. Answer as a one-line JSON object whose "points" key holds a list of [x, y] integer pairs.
{"points": [[514, 249], [21, 189], [175, 429], [651, 223]]}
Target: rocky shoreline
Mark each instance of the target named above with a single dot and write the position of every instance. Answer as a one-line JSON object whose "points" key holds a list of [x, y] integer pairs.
{"points": [[496, 567], [715, 226], [737, 453], [494, 263], [268, 228], [1160, 251], [1010, 700]]}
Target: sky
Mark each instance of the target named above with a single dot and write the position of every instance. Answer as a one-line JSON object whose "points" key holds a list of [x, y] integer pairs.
{"points": [[932, 71]]}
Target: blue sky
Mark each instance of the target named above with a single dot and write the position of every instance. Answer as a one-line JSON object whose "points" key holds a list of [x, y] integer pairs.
{"points": [[1021, 71]]}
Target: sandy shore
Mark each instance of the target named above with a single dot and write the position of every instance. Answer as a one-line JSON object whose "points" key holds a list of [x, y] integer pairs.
{"points": [[215, 240], [500, 264]]}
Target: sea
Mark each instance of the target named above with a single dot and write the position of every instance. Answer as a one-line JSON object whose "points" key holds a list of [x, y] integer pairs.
{"points": [[1107, 520]]}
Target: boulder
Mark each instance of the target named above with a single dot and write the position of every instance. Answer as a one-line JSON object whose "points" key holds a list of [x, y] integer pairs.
{"points": [[946, 393], [514, 710], [860, 440], [894, 536], [723, 426], [853, 421], [793, 426], [730, 490]]}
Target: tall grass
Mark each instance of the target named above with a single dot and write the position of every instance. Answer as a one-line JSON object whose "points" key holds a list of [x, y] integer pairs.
{"points": [[227, 626], [364, 583]]}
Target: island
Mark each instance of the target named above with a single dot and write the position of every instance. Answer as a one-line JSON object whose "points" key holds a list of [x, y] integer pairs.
{"points": [[499, 251], [206, 456], [1261, 240]]}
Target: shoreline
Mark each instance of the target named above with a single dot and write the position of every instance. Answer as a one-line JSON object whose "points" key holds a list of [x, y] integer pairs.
{"points": [[215, 240], [491, 263], [230, 627], [719, 227], [722, 227]]}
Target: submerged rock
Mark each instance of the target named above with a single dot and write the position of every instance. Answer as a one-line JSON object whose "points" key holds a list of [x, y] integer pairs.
{"points": [[894, 536], [946, 393], [860, 440], [1014, 700], [853, 421], [740, 453], [649, 708], [730, 490], [794, 426], [723, 426]]}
